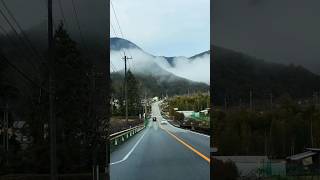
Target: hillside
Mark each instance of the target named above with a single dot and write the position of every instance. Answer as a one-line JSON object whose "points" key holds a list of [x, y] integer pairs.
{"points": [[158, 86], [196, 68], [234, 74]]}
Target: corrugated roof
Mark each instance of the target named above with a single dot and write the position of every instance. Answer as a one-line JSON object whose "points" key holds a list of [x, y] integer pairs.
{"points": [[313, 149], [301, 155]]}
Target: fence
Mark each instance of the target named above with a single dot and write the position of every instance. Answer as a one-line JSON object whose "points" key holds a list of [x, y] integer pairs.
{"points": [[120, 137]]}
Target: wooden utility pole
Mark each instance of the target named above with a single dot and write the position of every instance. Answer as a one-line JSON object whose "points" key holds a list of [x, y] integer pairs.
{"points": [[225, 103], [7, 127], [53, 160], [271, 100], [251, 106], [311, 131], [3, 129], [145, 104], [125, 58]]}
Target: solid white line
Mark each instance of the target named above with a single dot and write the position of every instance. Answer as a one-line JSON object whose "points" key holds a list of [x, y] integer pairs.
{"points": [[129, 153], [198, 133], [205, 135]]}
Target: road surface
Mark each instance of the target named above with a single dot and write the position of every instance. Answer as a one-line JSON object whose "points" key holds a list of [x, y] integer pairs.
{"points": [[162, 152]]}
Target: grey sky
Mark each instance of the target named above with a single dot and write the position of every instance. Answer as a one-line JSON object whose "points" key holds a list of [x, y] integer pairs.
{"points": [[285, 31], [165, 27], [92, 16]]}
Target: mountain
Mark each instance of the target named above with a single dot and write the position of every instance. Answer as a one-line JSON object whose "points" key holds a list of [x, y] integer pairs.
{"points": [[200, 55], [196, 68], [116, 44], [157, 74], [235, 74]]}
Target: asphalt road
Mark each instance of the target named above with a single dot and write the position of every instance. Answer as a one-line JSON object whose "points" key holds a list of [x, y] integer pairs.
{"points": [[162, 152]]}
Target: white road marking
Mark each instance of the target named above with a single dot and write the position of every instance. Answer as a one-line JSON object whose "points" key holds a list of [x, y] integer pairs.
{"points": [[198, 133], [132, 149]]}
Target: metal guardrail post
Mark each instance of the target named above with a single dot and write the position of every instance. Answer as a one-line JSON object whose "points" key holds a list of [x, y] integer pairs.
{"points": [[125, 134]]}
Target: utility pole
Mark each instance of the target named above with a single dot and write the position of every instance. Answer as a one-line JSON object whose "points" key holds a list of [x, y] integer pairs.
{"points": [[7, 127], [311, 131], [125, 58], [271, 100], [251, 100], [225, 103], [53, 160], [145, 105], [3, 128], [5, 133]]}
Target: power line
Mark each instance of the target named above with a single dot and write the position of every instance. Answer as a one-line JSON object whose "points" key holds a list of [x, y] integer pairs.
{"points": [[119, 27], [22, 32], [114, 31], [12, 40], [62, 13], [22, 73], [115, 14], [78, 24]]}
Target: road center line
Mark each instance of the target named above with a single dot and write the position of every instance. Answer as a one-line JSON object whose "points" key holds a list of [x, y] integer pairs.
{"points": [[132, 149], [188, 146]]}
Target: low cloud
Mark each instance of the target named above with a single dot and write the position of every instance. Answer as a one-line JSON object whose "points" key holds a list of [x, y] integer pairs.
{"points": [[197, 69]]}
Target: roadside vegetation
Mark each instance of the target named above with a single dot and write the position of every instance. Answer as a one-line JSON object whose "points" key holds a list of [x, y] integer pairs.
{"points": [[135, 106], [283, 130], [197, 104], [79, 127]]}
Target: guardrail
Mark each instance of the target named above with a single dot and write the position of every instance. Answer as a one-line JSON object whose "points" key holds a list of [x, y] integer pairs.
{"points": [[121, 136]]}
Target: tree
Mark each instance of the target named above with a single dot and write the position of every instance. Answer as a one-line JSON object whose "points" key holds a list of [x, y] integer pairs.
{"points": [[75, 121], [134, 95]]}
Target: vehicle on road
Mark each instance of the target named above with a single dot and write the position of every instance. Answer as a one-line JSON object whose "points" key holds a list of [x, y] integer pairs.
{"points": [[154, 119], [163, 122]]}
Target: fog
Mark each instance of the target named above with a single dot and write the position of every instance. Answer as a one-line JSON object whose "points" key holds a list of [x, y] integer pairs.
{"points": [[284, 31], [92, 17], [197, 69]]}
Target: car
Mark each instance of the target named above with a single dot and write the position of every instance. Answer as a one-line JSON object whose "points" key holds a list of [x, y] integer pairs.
{"points": [[164, 122], [154, 119]]}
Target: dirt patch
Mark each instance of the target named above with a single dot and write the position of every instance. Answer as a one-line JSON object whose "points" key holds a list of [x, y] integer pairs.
{"points": [[119, 123]]}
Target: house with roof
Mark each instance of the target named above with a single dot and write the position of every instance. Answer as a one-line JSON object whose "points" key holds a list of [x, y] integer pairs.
{"points": [[304, 163]]}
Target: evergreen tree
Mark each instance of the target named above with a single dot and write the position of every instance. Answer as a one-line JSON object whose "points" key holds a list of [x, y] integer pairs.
{"points": [[134, 95], [72, 104]]}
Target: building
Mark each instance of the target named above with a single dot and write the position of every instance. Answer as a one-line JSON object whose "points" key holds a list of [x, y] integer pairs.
{"points": [[304, 163]]}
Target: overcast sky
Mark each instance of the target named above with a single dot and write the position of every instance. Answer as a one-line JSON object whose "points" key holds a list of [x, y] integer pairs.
{"points": [[284, 31], [92, 16], [165, 27]]}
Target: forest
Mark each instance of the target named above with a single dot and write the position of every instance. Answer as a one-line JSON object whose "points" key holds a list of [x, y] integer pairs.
{"points": [[279, 132], [236, 76], [80, 118]]}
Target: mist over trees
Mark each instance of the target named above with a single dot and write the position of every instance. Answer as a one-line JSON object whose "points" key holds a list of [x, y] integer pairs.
{"points": [[236, 74], [79, 139], [263, 108]]}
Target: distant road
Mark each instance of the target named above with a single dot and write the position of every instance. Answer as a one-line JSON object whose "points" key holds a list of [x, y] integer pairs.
{"points": [[162, 152]]}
